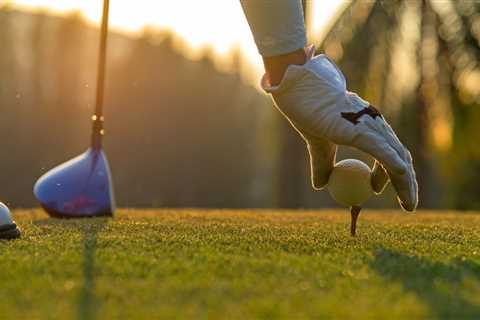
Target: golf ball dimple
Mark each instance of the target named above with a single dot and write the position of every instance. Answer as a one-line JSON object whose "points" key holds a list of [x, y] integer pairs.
{"points": [[349, 183], [5, 216]]}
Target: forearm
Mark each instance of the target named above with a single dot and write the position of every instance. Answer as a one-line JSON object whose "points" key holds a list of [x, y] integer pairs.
{"points": [[276, 66]]}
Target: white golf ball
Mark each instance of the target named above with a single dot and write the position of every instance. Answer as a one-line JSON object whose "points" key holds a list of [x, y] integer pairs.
{"points": [[5, 216], [349, 182]]}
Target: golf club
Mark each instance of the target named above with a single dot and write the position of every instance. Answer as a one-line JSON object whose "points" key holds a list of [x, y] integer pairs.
{"points": [[82, 187]]}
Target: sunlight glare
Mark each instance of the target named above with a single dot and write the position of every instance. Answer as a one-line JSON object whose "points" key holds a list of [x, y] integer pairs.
{"points": [[217, 24]]}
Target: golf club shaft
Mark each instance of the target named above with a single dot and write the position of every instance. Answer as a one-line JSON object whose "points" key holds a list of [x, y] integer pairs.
{"points": [[102, 53]]}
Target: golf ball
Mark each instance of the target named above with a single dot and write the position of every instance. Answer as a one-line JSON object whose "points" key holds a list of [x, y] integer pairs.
{"points": [[5, 216], [349, 182]]}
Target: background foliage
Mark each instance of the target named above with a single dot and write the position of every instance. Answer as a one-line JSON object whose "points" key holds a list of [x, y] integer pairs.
{"points": [[180, 133]]}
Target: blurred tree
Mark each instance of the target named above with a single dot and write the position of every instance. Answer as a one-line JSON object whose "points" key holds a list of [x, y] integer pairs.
{"points": [[7, 60], [190, 122], [8, 93], [179, 132], [418, 60], [71, 69]]}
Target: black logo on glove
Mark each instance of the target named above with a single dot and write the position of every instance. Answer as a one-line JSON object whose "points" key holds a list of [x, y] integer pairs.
{"points": [[354, 116]]}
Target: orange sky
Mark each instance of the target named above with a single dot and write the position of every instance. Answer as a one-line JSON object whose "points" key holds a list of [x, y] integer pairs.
{"points": [[195, 21]]}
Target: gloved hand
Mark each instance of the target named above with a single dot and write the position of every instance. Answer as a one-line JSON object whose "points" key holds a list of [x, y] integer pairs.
{"points": [[314, 98]]}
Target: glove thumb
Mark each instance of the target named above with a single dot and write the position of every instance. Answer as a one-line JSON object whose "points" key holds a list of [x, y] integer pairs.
{"points": [[322, 158]]}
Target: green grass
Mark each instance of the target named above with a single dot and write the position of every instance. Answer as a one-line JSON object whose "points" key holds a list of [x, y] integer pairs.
{"points": [[243, 264]]}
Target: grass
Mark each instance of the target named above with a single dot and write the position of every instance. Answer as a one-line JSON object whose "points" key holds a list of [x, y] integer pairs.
{"points": [[243, 264]]}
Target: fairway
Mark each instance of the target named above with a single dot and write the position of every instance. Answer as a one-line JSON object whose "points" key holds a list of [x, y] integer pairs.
{"points": [[264, 264]]}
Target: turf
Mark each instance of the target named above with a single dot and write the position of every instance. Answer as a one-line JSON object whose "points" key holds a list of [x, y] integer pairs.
{"points": [[266, 264]]}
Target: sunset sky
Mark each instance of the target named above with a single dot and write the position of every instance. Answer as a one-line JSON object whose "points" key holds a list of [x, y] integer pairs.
{"points": [[219, 24]]}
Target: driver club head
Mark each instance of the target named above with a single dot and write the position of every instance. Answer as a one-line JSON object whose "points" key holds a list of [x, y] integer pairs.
{"points": [[81, 187]]}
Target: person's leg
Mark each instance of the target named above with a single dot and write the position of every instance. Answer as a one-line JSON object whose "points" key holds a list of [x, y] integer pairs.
{"points": [[278, 28]]}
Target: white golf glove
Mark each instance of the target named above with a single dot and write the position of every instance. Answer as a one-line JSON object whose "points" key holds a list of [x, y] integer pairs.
{"points": [[314, 98]]}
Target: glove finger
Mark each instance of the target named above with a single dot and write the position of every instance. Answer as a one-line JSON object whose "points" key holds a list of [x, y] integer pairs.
{"points": [[376, 146], [382, 128], [405, 184], [401, 172], [322, 159], [380, 179]]}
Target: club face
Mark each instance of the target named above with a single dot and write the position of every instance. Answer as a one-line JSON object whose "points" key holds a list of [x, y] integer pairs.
{"points": [[81, 187]]}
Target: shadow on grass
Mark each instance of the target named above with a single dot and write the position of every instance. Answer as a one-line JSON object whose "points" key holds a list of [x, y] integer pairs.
{"points": [[437, 284], [87, 302]]}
